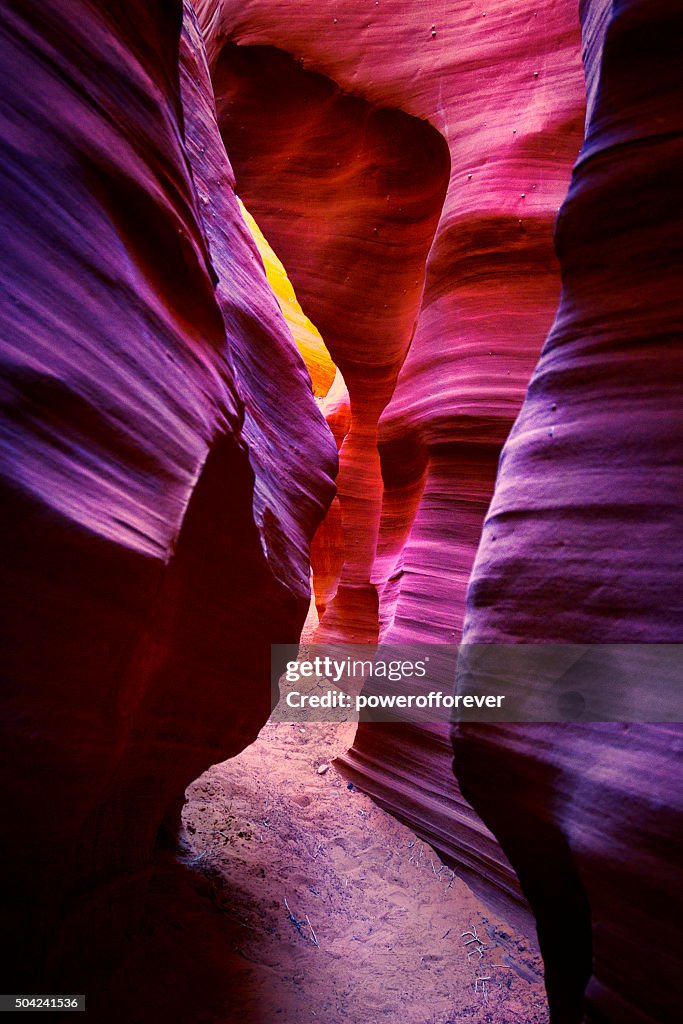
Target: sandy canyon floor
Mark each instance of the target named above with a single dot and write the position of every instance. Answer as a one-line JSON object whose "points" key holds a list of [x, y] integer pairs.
{"points": [[377, 928]]}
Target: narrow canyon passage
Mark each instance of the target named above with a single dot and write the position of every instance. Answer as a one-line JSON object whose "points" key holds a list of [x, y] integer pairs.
{"points": [[458, 423], [331, 909]]}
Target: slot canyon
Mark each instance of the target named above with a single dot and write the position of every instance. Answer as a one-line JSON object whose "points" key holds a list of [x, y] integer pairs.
{"points": [[346, 322]]}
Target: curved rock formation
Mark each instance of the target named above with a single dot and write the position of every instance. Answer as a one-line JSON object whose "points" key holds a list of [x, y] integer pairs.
{"points": [[327, 547], [306, 335], [158, 498], [504, 89], [164, 463], [349, 196], [583, 542]]}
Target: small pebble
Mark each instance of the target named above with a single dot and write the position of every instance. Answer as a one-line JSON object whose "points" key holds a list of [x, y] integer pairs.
{"points": [[323, 768]]}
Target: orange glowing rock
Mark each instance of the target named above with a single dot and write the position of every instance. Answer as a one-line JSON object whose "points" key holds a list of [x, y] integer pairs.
{"points": [[306, 335]]}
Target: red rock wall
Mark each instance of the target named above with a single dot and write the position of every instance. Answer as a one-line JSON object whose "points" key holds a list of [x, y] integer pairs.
{"points": [[583, 542], [490, 294], [327, 547], [160, 493], [157, 501], [349, 195], [505, 91], [504, 88]]}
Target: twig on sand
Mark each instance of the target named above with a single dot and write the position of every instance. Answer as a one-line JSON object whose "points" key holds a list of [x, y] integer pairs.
{"points": [[437, 874], [484, 990], [312, 931], [478, 948], [300, 927], [196, 860], [236, 920]]}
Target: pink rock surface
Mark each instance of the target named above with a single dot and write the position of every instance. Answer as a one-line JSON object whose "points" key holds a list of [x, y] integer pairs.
{"points": [[164, 464], [327, 547], [504, 88], [156, 512], [582, 542], [349, 195]]}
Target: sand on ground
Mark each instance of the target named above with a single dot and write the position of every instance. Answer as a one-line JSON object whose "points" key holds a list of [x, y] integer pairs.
{"points": [[377, 928]]}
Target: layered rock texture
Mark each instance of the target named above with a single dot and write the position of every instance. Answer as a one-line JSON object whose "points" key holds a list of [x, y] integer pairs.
{"points": [[355, 196], [165, 464], [348, 194], [159, 495], [582, 542], [306, 335], [407, 169], [592, 461]]}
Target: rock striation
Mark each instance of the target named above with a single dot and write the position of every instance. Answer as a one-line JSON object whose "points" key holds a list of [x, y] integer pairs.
{"points": [[158, 498], [306, 335], [165, 465], [436, 375], [582, 543], [348, 194]]}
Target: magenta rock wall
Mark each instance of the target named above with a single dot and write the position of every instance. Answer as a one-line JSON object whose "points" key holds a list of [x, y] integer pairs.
{"points": [[168, 478], [582, 543], [158, 503], [427, 262]]}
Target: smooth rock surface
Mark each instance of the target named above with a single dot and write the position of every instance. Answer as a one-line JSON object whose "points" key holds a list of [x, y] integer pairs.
{"points": [[504, 89], [583, 542], [349, 196], [157, 503]]}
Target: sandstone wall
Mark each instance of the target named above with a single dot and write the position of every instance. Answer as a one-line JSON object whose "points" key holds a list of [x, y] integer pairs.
{"points": [[158, 499], [582, 542], [436, 356]]}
